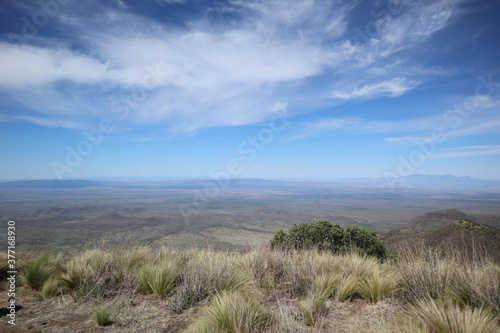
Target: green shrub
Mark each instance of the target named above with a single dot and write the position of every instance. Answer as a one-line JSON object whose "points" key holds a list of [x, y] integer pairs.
{"points": [[324, 235]]}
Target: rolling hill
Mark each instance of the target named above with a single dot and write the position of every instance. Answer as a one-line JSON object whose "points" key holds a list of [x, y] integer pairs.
{"points": [[447, 229]]}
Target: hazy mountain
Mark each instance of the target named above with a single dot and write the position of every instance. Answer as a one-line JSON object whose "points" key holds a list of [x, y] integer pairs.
{"points": [[413, 181]]}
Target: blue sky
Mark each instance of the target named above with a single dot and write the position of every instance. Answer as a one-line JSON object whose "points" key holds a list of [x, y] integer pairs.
{"points": [[249, 89]]}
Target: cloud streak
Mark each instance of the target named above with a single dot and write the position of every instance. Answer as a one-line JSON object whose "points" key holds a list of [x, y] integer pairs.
{"points": [[467, 152], [225, 73], [391, 88]]}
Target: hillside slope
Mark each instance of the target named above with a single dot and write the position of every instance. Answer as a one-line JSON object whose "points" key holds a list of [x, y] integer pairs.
{"points": [[446, 229]]}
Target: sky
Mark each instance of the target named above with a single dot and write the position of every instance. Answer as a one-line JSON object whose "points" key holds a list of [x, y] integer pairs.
{"points": [[249, 89]]}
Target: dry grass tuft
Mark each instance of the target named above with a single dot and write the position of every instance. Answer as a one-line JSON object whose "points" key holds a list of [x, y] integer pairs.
{"points": [[232, 312]]}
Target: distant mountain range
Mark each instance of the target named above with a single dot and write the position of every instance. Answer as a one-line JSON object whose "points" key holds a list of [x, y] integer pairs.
{"points": [[448, 229], [413, 181]]}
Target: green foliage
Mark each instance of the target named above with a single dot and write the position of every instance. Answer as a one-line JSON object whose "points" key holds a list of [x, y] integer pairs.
{"points": [[324, 235]]}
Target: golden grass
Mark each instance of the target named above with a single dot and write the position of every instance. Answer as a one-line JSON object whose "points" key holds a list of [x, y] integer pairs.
{"points": [[232, 312], [39, 270], [158, 278], [91, 263], [275, 291]]}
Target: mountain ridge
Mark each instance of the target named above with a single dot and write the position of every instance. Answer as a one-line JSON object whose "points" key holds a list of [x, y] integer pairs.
{"points": [[412, 181], [448, 229]]}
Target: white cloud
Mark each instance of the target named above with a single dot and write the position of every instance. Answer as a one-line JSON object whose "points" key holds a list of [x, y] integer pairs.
{"points": [[476, 115], [468, 151], [51, 122], [227, 74], [355, 126], [22, 65], [392, 88]]}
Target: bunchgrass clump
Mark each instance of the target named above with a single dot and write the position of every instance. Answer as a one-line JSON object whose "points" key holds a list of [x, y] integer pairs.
{"points": [[158, 277], [51, 287], [40, 269], [90, 264], [267, 268], [190, 298], [313, 307], [218, 271], [134, 257], [232, 312], [382, 283], [102, 317], [442, 316], [426, 273]]}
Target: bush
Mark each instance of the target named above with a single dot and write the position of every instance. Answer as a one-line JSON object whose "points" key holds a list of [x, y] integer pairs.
{"points": [[324, 235]]}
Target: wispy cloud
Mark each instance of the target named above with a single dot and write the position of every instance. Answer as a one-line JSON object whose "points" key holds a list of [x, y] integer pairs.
{"points": [[479, 119], [225, 74], [37, 66], [468, 151], [392, 88], [359, 126], [51, 122]]}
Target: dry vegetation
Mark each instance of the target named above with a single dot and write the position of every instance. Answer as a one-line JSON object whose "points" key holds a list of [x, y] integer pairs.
{"points": [[121, 287]]}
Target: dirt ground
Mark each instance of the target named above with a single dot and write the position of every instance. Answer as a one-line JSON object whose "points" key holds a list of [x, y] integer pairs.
{"points": [[133, 312]]}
